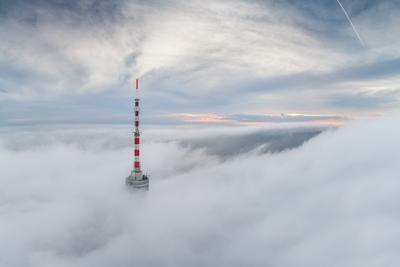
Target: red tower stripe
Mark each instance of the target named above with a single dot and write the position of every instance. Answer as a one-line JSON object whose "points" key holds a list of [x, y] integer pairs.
{"points": [[137, 164], [137, 84], [137, 141], [137, 153]]}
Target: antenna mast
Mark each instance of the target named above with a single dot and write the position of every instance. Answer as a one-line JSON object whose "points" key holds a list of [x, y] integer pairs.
{"points": [[137, 180]]}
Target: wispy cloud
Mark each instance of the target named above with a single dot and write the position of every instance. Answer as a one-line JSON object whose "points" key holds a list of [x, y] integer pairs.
{"points": [[193, 56]]}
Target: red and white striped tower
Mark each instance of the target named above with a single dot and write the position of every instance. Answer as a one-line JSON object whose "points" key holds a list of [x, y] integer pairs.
{"points": [[137, 180], [136, 164]]}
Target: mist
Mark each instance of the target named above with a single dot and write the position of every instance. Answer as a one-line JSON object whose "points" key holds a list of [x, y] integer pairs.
{"points": [[224, 196]]}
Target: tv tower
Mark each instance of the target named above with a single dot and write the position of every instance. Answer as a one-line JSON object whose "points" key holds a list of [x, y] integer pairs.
{"points": [[137, 180]]}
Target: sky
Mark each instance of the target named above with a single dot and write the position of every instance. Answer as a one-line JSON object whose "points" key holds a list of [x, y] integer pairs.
{"points": [[221, 62], [270, 133]]}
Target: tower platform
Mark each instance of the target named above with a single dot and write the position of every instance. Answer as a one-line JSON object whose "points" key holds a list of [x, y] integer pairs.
{"points": [[137, 181]]}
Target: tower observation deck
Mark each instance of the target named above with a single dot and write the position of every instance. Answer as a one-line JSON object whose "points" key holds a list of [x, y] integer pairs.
{"points": [[137, 180]]}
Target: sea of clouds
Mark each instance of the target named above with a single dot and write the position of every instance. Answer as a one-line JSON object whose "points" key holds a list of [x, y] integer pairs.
{"points": [[219, 196]]}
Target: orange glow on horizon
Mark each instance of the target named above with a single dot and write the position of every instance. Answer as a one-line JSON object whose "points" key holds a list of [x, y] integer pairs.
{"points": [[225, 120]]}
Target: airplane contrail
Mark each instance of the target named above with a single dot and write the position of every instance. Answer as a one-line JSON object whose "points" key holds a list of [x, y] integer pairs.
{"points": [[352, 25]]}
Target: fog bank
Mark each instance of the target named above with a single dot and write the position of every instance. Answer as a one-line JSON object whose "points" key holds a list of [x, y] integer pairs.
{"points": [[327, 201]]}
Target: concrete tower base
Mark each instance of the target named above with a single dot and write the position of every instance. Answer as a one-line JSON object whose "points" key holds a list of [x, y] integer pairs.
{"points": [[137, 181]]}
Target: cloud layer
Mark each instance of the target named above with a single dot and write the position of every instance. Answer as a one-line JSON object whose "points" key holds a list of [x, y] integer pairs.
{"points": [[331, 202]]}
